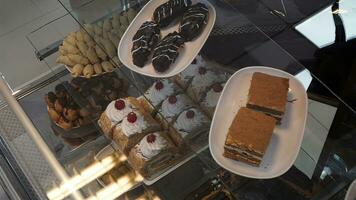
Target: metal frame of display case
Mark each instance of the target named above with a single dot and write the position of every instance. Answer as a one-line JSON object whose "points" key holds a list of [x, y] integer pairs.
{"points": [[34, 134], [15, 182]]}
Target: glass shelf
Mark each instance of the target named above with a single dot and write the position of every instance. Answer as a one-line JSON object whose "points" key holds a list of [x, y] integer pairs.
{"points": [[95, 167]]}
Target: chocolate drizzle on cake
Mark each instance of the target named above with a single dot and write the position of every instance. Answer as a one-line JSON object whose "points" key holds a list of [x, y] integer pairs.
{"points": [[143, 42], [194, 20], [167, 12], [166, 51]]}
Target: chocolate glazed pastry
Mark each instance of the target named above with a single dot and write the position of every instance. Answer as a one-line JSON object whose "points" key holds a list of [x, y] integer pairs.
{"points": [[143, 42], [50, 99], [194, 20], [166, 51], [167, 12], [60, 90]]}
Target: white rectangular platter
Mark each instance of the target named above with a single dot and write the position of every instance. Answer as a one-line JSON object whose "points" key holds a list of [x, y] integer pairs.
{"points": [[186, 54], [286, 139]]}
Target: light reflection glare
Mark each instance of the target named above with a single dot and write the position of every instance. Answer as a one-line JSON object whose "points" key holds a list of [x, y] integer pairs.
{"points": [[89, 174], [117, 188], [339, 11]]}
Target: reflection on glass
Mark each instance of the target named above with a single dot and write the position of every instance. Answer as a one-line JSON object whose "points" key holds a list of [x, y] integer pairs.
{"points": [[337, 22], [84, 177]]}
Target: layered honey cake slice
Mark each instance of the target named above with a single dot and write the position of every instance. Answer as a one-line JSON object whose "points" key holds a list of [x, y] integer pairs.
{"points": [[268, 94], [248, 136]]}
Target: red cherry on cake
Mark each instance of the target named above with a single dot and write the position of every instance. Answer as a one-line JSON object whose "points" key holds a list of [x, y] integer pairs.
{"points": [[217, 87], [159, 85], [202, 70], [151, 138], [120, 104], [132, 117], [190, 114], [172, 99]]}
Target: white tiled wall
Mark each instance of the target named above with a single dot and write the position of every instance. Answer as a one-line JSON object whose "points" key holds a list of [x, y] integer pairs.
{"points": [[18, 18], [16, 13]]}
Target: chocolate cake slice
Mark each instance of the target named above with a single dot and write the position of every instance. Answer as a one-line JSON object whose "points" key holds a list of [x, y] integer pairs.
{"points": [[268, 94], [167, 12], [248, 136], [166, 51], [144, 40], [194, 20]]}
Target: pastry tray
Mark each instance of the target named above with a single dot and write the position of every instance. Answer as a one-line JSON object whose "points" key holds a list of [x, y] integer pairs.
{"points": [[198, 144]]}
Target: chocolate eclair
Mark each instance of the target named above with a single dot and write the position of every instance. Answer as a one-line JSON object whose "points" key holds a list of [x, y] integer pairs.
{"points": [[166, 51], [59, 104], [60, 90], [167, 12], [71, 113], [50, 99], [144, 40], [64, 123], [194, 20]]}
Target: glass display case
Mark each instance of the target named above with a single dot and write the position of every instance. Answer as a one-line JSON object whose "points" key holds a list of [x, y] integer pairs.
{"points": [[64, 134]]}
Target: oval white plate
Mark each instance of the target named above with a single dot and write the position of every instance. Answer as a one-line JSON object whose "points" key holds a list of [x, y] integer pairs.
{"points": [[351, 192], [186, 54], [286, 139]]}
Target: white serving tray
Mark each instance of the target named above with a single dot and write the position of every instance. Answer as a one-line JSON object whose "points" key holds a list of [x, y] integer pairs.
{"points": [[286, 139], [186, 54]]}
